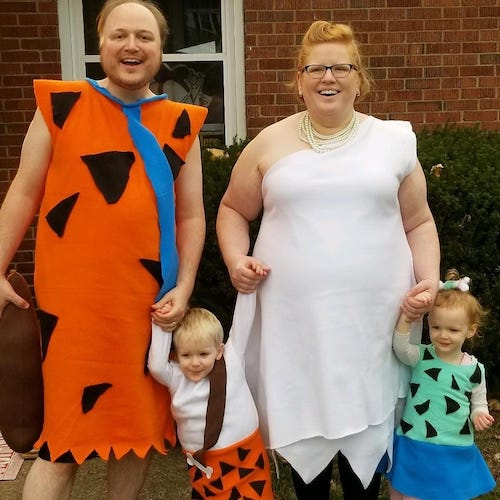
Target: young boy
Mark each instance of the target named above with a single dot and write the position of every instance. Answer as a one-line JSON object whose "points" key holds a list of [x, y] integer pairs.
{"points": [[216, 418]]}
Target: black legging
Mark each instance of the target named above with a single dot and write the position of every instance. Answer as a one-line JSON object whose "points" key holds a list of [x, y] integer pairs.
{"points": [[319, 488]]}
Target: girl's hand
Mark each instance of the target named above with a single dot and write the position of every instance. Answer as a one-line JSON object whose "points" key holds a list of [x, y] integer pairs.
{"points": [[247, 274], [482, 421], [419, 300]]}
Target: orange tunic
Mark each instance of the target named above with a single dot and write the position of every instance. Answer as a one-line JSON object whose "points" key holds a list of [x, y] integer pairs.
{"points": [[97, 271], [239, 471]]}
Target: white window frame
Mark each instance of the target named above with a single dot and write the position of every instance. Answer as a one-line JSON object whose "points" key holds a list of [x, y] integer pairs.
{"points": [[73, 58]]}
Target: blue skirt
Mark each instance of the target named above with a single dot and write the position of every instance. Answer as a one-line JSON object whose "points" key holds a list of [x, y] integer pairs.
{"points": [[433, 471]]}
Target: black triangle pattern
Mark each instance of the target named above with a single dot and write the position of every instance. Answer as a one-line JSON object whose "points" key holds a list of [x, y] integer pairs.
{"points": [[182, 126], [423, 407], [91, 394], [110, 171], [468, 394], [174, 160], [476, 376], [414, 388], [209, 493], [58, 216], [244, 472], [465, 429], [145, 368], [431, 431], [433, 373], [242, 453], [235, 494], [451, 405], [427, 355], [197, 474], [260, 464], [217, 484], [62, 104], [258, 486], [405, 426], [154, 268], [454, 383], [196, 495], [226, 468], [48, 323]]}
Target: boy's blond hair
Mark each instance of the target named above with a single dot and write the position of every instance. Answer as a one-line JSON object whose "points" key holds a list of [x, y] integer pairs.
{"points": [[199, 325]]}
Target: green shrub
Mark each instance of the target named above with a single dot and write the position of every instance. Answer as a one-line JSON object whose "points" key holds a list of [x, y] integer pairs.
{"points": [[213, 289], [464, 199]]}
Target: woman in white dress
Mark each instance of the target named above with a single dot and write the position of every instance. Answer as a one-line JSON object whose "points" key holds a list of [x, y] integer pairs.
{"points": [[346, 231]]}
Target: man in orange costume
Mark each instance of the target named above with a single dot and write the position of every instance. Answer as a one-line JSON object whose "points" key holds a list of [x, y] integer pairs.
{"points": [[115, 171]]}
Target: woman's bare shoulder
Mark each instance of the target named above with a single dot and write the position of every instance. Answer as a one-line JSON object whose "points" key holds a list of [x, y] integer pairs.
{"points": [[276, 141]]}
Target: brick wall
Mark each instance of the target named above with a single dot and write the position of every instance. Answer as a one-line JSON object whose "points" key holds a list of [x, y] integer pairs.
{"points": [[29, 48], [433, 61]]}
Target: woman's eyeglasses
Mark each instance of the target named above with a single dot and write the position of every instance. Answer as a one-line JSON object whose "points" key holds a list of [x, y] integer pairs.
{"points": [[318, 71]]}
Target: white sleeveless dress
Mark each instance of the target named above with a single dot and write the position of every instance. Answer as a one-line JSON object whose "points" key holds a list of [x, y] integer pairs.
{"points": [[319, 359]]}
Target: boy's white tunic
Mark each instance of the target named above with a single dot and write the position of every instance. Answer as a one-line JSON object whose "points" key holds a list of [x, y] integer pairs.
{"points": [[190, 399], [319, 360]]}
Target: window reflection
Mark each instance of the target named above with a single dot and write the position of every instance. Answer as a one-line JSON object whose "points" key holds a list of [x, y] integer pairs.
{"points": [[195, 25], [198, 83]]}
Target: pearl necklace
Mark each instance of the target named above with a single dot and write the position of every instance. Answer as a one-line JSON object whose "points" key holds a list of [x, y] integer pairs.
{"points": [[323, 143]]}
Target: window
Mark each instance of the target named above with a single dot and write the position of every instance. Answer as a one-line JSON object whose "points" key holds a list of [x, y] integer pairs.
{"points": [[203, 61]]}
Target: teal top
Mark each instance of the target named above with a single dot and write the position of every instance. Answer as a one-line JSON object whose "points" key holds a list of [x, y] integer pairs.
{"points": [[438, 405]]}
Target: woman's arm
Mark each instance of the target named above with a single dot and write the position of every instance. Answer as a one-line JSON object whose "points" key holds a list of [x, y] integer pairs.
{"points": [[241, 204], [423, 240]]}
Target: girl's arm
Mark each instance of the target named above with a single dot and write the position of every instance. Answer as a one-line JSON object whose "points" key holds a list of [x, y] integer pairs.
{"points": [[479, 413], [407, 353]]}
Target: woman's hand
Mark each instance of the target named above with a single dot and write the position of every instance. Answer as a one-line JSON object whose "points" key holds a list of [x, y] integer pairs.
{"points": [[247, 273], [419, 300]]}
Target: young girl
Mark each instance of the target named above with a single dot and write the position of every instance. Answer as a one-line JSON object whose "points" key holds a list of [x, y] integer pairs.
{"points": [[216, 418], [434, 452]]}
